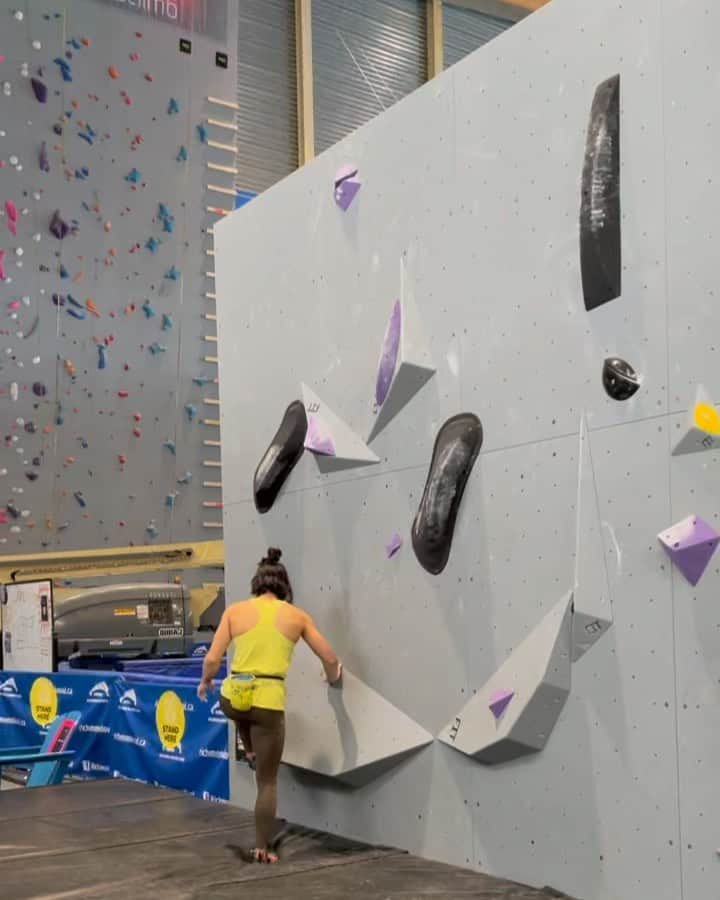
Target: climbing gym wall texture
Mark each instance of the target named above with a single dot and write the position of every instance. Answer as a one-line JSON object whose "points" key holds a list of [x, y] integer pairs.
{"points": [[529, 240], [106, 134]]}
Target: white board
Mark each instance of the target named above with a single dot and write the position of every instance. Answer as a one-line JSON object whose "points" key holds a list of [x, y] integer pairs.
{"points": [[27, 620]]}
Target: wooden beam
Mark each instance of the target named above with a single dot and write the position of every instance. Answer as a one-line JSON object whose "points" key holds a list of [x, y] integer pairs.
{"points": [[304, 70], [434, 19], [513, 10]]}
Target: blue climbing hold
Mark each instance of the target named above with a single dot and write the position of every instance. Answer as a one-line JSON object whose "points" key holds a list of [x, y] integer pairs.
{"points": [[169, 445], [170, 500], [133, 176], [173, 107], [186, 479], [173, 273], [167, 322], [156, 348], [182, 155], [65, 68], [148, 310], [190, 412], [151, 244], [76, 313], [78, 495], [202, 133], [102, 356], [202, 380]]}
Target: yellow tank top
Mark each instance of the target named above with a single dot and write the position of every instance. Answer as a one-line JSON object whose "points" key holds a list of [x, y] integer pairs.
{"points": [[264, 651]]}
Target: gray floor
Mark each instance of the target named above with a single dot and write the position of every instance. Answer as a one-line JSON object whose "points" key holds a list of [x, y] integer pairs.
{"points": [[119, 839]]}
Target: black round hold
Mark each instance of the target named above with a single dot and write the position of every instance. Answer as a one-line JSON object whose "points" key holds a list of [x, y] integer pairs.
{"points": [[39, 389], [619, 379]]}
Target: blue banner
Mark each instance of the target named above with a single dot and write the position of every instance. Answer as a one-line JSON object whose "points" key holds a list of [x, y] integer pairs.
{"points": [[160, 734]]}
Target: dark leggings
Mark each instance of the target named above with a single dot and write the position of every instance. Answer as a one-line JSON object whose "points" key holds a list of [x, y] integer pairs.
{"points": [[263, 733]]}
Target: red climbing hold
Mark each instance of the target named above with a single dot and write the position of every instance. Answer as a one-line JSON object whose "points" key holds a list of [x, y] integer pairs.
{"points": [[113, 72], [123, 394]]}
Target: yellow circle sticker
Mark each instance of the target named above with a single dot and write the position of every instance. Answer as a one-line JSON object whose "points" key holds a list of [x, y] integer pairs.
{"points": [[43, 701], [170, 720]]}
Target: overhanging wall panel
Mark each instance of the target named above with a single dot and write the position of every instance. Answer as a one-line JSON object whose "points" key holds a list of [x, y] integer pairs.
{"points": [[366, 56], [486, 205], [266, 93], [464, 30]]}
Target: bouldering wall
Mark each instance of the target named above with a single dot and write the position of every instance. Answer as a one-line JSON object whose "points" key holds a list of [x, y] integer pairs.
{"points": [[468, 213], [107, 315]]}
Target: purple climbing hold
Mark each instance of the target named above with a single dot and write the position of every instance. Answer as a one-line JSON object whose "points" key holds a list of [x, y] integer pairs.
{"points": [[39, 89], [346, 186], [499, 702], [58, 227], [393, 545], [58, 129], [39, 389], [30, 428], [389, 355], [317, 440], [690, 544], [58, 300], [76, 313]]}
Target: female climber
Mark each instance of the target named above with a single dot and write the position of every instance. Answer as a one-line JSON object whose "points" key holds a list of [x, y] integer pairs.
{"points": [[264, 631]]}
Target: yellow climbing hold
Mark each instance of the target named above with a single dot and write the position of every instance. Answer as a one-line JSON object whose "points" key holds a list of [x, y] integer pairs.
{"points": [[707, 418]]}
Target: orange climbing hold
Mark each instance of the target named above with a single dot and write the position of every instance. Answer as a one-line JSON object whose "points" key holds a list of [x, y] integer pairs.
{"points": [[85, 42], [78, 278], [48, 429], [69, 460], [91, 307], [69, 367], [113, 72], [108, 227]]}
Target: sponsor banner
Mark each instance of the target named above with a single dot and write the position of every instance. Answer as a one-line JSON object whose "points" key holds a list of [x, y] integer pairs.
{"points": [[159, 734], [199, 16]]}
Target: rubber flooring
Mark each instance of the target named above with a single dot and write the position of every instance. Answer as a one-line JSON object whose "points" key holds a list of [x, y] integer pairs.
{"points": [[119, 839]]}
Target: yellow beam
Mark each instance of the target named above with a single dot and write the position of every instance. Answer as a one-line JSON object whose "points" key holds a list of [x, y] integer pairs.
{"points": [[435, 56], [304, 70], [113, 561]]}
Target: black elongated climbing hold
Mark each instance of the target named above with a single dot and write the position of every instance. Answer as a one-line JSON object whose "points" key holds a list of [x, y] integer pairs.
{"points": [[281, 457], [620, 380], [456, 448], [600, 229]]}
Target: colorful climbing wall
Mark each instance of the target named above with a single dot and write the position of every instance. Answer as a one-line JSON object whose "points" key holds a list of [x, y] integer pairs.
{"points": [[113, 166], [497, 198]]}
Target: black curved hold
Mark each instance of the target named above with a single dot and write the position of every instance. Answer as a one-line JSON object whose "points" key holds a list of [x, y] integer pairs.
{"points": [[456, 448], [620, 380], [281, 457], [600, 234]]}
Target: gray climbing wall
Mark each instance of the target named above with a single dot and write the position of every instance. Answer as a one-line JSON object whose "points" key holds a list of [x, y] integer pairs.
{"points": [[99, 433], [475, 181]]}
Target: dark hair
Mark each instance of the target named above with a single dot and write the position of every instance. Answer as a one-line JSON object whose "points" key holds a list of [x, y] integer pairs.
{"points": [[271, 577]]}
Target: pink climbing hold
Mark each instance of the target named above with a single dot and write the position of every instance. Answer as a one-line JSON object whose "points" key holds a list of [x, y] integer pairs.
{"points": [[12, 216], [2, 265], [123, 394], [137, 432], [137, 416], [122, 459]]}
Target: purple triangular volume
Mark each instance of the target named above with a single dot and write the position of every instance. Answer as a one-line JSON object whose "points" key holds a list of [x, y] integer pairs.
{"points": [[499, 702], [389, 355], [317, 440], [345, 193], [690, 544]]}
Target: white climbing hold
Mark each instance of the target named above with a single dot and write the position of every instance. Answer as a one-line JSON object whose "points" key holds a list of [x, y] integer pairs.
{"points": [[13, 160], [14, 390], [26, 301], [25, 70], [19, 15], [37, 45], [19, 251], [7, 88], [3, 472], [25, 513], [36, 360], [15, 529], [37, 237], [20, 421]]}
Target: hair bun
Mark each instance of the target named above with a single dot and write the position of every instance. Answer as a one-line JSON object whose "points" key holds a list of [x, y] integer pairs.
{"points": [[274, 556]]}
